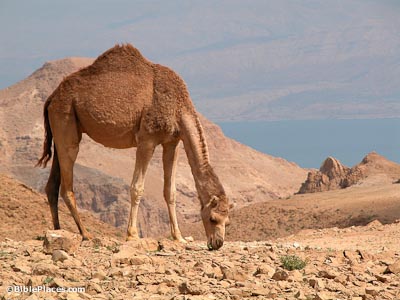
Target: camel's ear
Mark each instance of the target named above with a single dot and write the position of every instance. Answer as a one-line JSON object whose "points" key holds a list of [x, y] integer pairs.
{"points": [[214, 201]]}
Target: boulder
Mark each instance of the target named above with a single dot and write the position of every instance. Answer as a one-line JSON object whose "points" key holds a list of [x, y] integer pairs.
{"points": [[61, 240]]}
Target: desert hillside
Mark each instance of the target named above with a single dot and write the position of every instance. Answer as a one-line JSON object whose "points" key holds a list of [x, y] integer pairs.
{"points": [[102, 175], [374, 195], [25, 214], [283, 250]]}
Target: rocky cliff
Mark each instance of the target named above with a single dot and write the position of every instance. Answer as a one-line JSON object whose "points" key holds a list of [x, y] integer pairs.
{"points": [[334, 175]]}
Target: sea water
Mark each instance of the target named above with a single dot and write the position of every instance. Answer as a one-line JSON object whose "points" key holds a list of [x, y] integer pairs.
{"points": [[309, 142]]}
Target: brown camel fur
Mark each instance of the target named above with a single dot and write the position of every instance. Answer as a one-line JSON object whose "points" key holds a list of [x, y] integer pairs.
{"points": [[123, 100]]}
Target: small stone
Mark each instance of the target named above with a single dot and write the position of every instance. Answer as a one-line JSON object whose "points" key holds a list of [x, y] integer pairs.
{"points": [[143, 245], [373, 291], [393, 268], [240, 292], [190, 288], [45, 269], [300, 295], [265, 269], [32, 297], [259, 291], [295, 275], [59, 255], [99, 275], [129, 256], [61, 240], [325, 296], [233, 273], [189, 239], [351, 256], [280, 275], [317, 283], [92, 288], [327, 274], [22, 267]]}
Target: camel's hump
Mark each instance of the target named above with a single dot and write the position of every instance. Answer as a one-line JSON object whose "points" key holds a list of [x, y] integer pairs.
{"points": [[121, 57]]}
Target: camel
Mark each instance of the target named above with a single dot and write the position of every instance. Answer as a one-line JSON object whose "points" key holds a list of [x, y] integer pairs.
{"points": [[121, 101]]}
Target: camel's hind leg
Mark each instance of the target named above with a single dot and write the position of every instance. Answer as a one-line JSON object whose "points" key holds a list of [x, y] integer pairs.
{"points": [[145, 150], [66, 138], [53, 188], [170, 156]]}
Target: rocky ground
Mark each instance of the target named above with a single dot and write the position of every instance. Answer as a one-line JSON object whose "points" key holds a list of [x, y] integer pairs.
{"points": [[149, 269]]}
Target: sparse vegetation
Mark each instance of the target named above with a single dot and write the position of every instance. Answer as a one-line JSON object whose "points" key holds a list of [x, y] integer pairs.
{"points": [[292, 262], [47, 280]]}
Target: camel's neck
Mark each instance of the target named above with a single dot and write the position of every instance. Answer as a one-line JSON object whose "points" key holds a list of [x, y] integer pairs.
{"points": [[207, 182]]}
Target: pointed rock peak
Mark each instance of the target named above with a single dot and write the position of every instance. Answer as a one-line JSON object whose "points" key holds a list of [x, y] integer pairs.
{"points": [[65, 65], [332, 166], [372, 157]]}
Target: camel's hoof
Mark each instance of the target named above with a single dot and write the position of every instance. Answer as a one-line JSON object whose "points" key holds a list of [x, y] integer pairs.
{"points": [[87, 237], [132, 238], [181, 240]]}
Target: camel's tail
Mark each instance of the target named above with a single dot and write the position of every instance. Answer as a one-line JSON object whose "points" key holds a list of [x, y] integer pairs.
{"points": [[48, 138]]}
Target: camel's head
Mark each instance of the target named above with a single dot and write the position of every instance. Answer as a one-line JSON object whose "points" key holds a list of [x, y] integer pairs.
{"points": [[215, 218]]}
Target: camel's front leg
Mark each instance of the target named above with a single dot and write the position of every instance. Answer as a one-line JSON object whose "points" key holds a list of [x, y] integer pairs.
{"points": [[144, 153], [170, 156]]}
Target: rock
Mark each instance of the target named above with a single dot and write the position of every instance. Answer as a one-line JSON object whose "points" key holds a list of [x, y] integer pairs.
{"points": [[317, 283], [331, 175], [92, 288], [280, 275], [61, 240], [352, 256], [190, 288], [233, 273], [393, 268], [59, 255], [163, 289], [265, 269], [21, 266], [301, 295], [189, 239], [295, 275], [99, 275], [240, 292], [129, 256], [143, 245], [45, 269], [259, 291], [381, 278], [325, 296], [372, 290], [329, 274]]}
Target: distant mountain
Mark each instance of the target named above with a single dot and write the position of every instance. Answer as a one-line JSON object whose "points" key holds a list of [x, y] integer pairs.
{"points": [[257, 60], [102, 175]]}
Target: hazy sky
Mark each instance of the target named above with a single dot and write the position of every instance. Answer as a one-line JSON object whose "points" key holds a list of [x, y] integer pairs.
{"points": [[255, 59], [33, 32]]}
